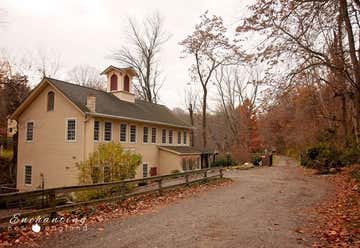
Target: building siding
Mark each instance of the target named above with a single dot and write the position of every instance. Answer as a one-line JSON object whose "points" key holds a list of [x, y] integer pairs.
{"points": [[49, 153], [53, 158]]}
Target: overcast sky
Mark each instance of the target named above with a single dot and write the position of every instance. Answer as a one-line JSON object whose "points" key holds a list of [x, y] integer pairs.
{"points": [[87, 31]]}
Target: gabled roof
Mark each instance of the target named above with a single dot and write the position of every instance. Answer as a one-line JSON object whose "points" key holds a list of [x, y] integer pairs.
{"points": [[109, 106], [181, 150], [124, 69]]}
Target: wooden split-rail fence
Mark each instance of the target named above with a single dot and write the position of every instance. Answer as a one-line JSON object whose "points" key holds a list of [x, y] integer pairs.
{"points": [[51, 197]]}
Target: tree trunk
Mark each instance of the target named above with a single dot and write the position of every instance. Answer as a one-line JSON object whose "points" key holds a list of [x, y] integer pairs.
{"points": [[356, 118], [191, 114], [204, 126], [344, 115], [147, 80], [350, 34], [14, 159], [354, 64]]}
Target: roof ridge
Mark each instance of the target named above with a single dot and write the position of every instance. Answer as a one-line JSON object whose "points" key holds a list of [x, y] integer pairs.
{"points": [[79, 85], [139, 109], [103, 91], [109, 93]]}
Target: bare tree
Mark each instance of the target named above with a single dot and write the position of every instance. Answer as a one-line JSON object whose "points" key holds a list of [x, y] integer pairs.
{"points": [[238, 91], [87, 76], [47, 63], [191, 100], [210, 48], [14, 88], [142, 51], [43, 63]]}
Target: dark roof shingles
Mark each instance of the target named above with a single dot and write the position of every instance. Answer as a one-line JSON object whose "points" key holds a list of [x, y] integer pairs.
{"points": [[182, 149], [108, 104]]}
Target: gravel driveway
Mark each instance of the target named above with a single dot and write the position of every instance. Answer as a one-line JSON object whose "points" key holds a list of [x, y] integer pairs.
{"points": [[262, 208]]}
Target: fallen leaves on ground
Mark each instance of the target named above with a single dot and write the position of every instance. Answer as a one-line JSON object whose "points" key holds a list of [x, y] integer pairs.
{"points": [[23, 235], [338, 218]]}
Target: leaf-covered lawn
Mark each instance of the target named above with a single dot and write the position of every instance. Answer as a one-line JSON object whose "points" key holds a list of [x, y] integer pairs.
{"points": [[103, 213], [338, 219]]}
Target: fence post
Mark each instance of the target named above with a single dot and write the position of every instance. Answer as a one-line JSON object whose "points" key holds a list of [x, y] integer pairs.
{"points": [[205, 175], [221, 173], [52, 203], [122, 190], [160, 187], [187, 179]]}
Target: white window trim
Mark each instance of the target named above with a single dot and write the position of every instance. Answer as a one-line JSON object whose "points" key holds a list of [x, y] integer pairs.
{"points": [[148, 136], [148, 170], [33, 136], [136, 134], [32, 172], [126, 132], [98, 140], [112, 131], [166, 138], [179, 141], [156, 138], [172, 137], [66, 129]]}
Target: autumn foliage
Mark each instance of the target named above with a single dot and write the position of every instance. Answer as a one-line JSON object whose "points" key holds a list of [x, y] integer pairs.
{"points": [[338, 219]]}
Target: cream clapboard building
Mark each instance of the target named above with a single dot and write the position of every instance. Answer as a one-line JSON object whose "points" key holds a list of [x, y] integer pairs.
{"points": [[60, 123]]}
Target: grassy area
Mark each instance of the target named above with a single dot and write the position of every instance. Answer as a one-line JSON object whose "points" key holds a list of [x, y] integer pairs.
{"points": [[241, 167], [7, 154]]}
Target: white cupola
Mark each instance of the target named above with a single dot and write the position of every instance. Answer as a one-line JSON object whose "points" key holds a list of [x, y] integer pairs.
{"points": [[119, 82]]}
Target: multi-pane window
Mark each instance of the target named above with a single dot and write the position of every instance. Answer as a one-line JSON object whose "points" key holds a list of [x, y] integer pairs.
{"points": [[107, 131], [190, 163], [184, 164], [145, 170], [153, 135], [170, 136], [185, 137], [163, 136], [132, 133], [96, 130], [71, 130], [146, 135], [29, 131], [50, 101], [179, 137], [107, 174], [123, 129], [28, 174]]}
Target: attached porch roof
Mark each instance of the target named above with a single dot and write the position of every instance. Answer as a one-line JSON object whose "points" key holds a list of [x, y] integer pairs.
{"points": [[181, 150]]}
